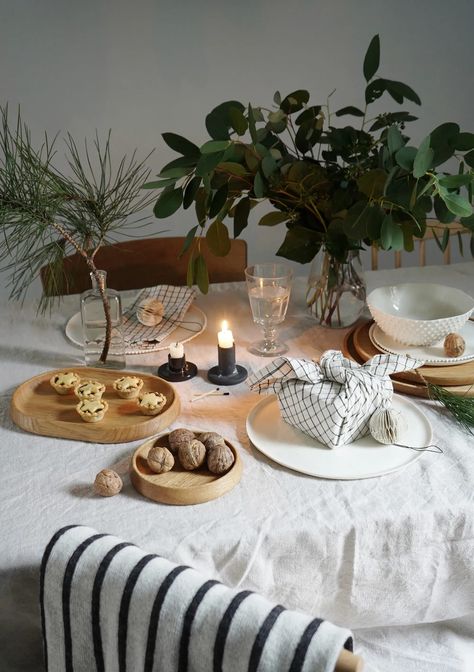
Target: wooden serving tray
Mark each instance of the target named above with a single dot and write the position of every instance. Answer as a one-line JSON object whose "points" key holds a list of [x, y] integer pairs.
{"points": [[37, 408], [460, 374], [179, 486], [415, 388]]}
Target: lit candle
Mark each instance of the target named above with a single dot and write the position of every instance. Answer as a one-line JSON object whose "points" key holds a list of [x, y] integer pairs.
{"points": [[225, 337], [176, 350]]}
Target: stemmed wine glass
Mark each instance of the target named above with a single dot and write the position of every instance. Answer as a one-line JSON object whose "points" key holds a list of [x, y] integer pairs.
{"points": [[269, 287]]}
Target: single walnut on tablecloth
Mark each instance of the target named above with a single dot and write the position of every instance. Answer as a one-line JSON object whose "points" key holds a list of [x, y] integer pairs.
{"points": [[220, 459], [454, 345], [192, 455], [159, 459], [107, 483]]}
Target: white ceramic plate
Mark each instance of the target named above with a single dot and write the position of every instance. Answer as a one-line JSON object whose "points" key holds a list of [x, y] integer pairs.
{"points": [[430, 354], [365, 458], [179, 335]]}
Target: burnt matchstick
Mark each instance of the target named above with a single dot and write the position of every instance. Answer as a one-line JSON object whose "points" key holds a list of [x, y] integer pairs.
{"points": [[212, 393]]}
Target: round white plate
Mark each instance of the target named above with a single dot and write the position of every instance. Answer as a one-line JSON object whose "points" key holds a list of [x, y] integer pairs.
{"points": [[180, 334], [430, 354], [364, 458]]}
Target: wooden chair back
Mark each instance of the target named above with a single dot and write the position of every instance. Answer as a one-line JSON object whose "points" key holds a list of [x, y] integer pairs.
{"points": [[134, 264], [434, 228]]}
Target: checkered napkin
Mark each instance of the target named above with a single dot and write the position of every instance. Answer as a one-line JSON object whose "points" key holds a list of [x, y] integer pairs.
{"points": [[175, 300], [331, 401]]}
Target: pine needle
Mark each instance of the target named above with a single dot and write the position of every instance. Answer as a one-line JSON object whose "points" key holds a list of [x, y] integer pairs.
{"points": [[461, 407]]}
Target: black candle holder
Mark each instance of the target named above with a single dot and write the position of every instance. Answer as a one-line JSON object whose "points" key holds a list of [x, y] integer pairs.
{"points": [[177, 369], [227, 372]]}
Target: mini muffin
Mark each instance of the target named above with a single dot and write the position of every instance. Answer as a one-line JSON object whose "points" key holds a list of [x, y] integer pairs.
{"points": [[128, 387], [64, 382], [152, 403], [92, 410], [89, 390]]}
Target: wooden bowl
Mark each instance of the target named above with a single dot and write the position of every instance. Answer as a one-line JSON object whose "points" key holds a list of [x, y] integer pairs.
{"points": [[179, 486], [37, 408]]}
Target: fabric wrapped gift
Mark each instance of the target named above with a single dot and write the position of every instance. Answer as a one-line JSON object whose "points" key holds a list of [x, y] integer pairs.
{"points": [[331, 401]]}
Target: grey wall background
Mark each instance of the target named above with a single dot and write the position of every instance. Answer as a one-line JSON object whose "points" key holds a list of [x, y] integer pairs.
{"points": [[145, 67]]}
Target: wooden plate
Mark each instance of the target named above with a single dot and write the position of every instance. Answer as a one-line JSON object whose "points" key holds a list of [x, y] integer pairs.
{"points": [[37, 408], [417, 389], [461, 374], [179, 486]]}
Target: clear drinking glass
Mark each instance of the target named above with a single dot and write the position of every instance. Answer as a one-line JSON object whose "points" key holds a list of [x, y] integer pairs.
{"points": [[269, 287]]}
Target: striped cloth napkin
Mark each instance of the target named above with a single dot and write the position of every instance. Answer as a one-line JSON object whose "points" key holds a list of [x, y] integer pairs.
{"points": [[176, 302], [108, 606], [331, 401]]}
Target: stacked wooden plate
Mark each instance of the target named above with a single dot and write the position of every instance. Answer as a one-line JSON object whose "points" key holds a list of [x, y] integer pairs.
{"points": [[458, 379]]}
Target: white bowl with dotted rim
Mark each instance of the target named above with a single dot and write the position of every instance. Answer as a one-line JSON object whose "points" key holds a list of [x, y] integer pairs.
{"points": [[420, 313]]}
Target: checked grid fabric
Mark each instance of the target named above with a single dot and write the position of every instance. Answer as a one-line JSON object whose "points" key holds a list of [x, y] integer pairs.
{"points": [[107, 606], [331, 401], [176, 301]]}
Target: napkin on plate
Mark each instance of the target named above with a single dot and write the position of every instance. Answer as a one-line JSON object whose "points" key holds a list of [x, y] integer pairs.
{"points": [[176, 301], [331, 401]]}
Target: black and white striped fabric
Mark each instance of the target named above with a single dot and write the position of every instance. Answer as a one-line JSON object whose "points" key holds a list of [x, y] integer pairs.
{"points": [[108, 606], [176, 301], [331, 401]]}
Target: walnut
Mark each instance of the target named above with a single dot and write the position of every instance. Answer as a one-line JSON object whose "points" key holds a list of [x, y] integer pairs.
{"points": [[160, 459], [107, 483], [192, 455], [211, 440], [454, 345], [178, 438], [220, 459]]}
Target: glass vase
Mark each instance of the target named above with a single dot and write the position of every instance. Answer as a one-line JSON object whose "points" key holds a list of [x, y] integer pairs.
{"points": [[103, 343], [336, 290]]}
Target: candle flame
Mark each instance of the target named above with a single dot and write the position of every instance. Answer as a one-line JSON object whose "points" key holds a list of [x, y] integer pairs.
{"points": [[225, 326]]}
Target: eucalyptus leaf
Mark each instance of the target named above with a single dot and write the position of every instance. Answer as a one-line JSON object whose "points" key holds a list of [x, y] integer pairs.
{"points": [[350, 109], [201, 274], [190, 271], [238, 121], [300, 245], [190, 191], [219, 200], [259, 186], [201, 206], [168, 203], [159, 184], [181, 145], [269, 165], [405, 157], [455, 181], [241, 216], [423, 158], [218, 121], [273, 218], [442, 213], [372, 58], [188, 240], [217, 238], [386, 232], [208, 162], [469, 158], [252, 124], [213, 146], [233, 168], [465, 142], [394, 139], [294, 101], [457, 204], [443, 140]]}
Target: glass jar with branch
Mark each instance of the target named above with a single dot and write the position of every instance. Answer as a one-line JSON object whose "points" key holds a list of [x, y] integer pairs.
{"points": [[46, 213], [335, 187]]}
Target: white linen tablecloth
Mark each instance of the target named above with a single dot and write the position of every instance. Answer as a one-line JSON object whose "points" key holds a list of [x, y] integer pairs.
{"points": [[392, 558]]}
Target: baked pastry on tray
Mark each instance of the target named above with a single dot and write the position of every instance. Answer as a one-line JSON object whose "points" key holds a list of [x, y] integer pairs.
{"points": [[64, 382], [92, 410], [152, 403], [128, 387]]}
